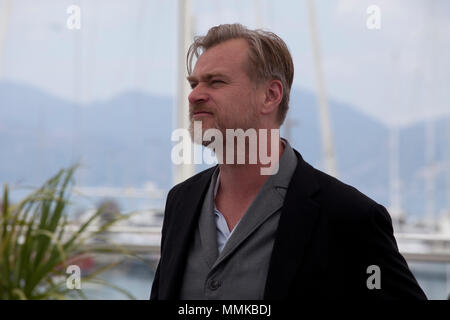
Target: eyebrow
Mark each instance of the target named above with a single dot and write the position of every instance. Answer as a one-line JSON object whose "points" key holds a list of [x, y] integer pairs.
{"points": [[206, 76]]}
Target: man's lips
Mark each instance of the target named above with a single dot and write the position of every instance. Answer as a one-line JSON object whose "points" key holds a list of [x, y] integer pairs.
{"points": [[201, 114]]}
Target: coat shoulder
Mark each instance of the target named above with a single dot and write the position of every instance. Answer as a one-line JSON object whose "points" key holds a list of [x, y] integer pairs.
{"points": [[343, 201]]}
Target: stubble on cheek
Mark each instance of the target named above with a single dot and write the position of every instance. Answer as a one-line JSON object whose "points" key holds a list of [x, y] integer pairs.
{"points": [[236, 119]]}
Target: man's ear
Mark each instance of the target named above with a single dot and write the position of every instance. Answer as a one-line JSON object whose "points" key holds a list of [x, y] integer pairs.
{"points": [[273, 95]]}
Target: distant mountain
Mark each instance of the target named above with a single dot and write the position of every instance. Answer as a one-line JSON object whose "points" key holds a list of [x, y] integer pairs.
{"points": [[362, 152], [125, 141]]}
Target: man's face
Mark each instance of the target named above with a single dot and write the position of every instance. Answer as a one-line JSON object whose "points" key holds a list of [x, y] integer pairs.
{"points": [[222, 89]]}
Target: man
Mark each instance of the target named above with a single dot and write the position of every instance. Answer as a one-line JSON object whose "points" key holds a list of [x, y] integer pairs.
{"points": [[231, 232]]}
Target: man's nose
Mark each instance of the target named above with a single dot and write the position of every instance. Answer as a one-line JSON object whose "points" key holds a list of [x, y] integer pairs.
{"points": [[198, 96]]}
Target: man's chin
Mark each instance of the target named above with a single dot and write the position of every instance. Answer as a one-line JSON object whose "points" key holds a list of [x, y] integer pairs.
{"points": [[205, 126], [201, 141]]}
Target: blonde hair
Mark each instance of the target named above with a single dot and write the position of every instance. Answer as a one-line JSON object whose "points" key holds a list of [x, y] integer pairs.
{"points": [[269, 57]]}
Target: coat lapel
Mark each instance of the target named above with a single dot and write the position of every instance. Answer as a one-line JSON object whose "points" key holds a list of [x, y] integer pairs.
{"points": [[179, 234], [298, 218], [267, 202], [207, 224]]}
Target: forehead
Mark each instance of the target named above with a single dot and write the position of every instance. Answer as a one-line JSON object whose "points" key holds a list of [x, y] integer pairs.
{"points": [[228, 57]]}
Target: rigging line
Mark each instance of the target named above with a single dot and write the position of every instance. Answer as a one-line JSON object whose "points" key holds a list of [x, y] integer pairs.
{"points": [[414, 100], [4, 18], [181, 109], [138, 73], [329, 156], [91, 49], [77, 92], [398, 189], [448, 166], [430, 163], [259, 13], [395, 183], [91, 25]]}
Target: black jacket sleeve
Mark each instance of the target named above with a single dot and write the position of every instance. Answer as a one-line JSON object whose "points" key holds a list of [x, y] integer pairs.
{"points": [[396, 279], [154, 295]]}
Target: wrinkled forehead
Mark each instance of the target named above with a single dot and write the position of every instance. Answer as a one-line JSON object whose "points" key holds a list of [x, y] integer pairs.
{"points": [[230, 56]]}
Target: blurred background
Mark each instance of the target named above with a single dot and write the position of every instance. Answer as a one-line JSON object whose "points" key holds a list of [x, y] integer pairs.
{"points": [[370, 104]]}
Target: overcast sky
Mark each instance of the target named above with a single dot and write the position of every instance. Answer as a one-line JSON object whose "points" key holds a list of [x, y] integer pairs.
{"points": [[398, 74]]}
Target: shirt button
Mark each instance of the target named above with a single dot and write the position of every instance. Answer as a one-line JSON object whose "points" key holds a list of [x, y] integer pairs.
{"points": [[214, 284]]}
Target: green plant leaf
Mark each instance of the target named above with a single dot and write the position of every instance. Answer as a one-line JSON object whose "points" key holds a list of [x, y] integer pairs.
{"points": [[36, 245]]}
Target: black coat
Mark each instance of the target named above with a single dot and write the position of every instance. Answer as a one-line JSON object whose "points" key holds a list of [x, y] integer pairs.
{"points": [[329, 233]]}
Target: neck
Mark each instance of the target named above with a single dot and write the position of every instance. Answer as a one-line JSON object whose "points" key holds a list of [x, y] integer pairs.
{"points": [[244, 180]]}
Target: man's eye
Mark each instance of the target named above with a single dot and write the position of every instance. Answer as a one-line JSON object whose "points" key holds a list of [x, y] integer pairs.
{"points": [[217, 81], [193, 85]]}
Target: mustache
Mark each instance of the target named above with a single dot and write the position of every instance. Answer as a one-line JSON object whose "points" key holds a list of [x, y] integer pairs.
{"points": [[193, 110]]}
